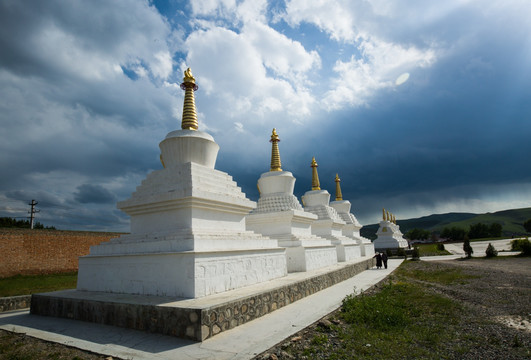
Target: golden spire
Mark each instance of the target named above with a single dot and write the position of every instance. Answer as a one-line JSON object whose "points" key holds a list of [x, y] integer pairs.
{"points": [[383, 214], [275, 154], [388, 217], [315, 176], [339, 196], [189, 121]]}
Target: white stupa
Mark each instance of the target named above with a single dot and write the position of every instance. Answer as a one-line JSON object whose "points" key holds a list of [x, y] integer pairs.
{"points": [[389, 234], [352, 227], [328, 224], [188, 236], [280, 216]]}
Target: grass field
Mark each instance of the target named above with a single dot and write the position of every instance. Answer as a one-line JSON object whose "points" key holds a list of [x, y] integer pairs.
{"points": [[430, 250], [31, 284]]}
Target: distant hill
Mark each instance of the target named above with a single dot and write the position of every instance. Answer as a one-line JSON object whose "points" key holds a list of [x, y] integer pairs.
{"points": [[511, 221]]}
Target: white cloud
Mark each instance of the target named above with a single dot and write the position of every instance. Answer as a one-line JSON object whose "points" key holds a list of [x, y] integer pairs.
{"points": [[242, 82], [332, 16], [381, 63]]}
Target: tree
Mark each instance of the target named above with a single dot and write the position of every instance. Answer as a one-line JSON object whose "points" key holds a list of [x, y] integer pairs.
{"points": [[478, 231], [467, 248], [527, 226], [418, 234], [453, 233], [491, 251], [495, 230]]}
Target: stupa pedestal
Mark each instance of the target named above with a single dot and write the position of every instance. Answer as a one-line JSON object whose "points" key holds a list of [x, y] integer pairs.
{"points": [[352, 227], [329, 225]]}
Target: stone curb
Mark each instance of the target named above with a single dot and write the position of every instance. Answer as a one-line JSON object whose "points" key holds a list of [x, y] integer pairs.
{"points": [[14, 303]]}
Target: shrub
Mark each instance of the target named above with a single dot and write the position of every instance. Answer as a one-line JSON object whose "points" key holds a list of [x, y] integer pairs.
{"points": [[416, 253], [440, 247], [523, 245], [389, 253], [467, 248], [401, 252], [491, 251]]}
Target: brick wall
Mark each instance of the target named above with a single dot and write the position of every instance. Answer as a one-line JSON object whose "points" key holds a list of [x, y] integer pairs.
{"points": [[39, 251]]}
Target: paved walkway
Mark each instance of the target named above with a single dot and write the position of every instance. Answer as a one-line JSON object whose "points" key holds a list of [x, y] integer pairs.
{"points": [[243, 342], [479, 247]]}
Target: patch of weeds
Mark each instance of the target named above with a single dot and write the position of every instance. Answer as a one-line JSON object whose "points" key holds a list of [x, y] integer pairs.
{"points": [[382, 312], [434, 274], [319, 339], [516, 342]]}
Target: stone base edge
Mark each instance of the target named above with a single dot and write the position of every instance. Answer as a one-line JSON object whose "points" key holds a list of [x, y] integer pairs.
{"points": [[197, 324], [14, 303]]}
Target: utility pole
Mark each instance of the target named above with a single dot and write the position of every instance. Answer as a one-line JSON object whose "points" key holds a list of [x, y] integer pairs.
{"points": [[32, 212]]}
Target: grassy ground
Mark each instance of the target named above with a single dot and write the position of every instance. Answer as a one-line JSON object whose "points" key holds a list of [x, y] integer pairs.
{"points": [[31, 284], [426, 310], [431, 250]]}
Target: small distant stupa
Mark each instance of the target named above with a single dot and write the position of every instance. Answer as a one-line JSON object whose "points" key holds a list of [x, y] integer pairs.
{"points": [[389, 235]]}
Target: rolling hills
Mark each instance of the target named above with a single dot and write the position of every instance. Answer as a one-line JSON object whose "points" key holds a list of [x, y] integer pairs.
{"points": [[511, 221]]}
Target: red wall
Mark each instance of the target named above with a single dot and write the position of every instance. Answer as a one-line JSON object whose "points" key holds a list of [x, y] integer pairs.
{"points": [[39, 251]]}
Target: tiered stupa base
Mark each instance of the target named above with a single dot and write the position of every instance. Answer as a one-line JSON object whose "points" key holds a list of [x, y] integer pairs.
{"points": [[291, 229], [158, 266], [389, 237]]}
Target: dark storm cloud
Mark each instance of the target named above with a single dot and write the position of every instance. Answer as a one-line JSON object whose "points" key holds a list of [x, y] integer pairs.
{"points": [[93, 194]]}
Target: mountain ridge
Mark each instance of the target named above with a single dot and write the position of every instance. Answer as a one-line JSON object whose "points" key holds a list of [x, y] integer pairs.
{"points": [[511, 221]]}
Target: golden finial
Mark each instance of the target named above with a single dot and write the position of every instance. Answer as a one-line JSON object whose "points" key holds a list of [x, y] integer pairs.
{"points": [[315, 176], [394, 219], [388, 217], [275, 154], [383, 214], [189, 121], [339, 196]]}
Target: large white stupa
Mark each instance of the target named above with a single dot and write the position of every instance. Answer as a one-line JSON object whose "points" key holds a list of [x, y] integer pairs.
{"points": [[389, 234], [188, 236], [329, 224], [352, 227], [280, 216]]}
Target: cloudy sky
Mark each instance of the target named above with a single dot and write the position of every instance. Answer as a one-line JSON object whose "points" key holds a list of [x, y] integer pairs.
{"points": [[421, 106]]}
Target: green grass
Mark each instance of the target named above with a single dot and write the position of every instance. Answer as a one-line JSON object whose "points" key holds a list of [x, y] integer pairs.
{"points": [[436, 274], [403, 320], [430, 250], [31, 284]]}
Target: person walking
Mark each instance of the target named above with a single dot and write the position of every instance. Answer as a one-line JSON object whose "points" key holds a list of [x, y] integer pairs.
{"points": [[384, 259], [378, 257]]}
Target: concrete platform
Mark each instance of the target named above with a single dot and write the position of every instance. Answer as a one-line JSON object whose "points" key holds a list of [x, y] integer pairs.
{"points": [[194, 319], [243, 342]]}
